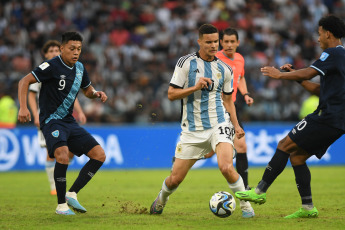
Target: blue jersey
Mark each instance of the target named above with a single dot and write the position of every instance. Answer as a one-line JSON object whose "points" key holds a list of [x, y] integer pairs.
{"points": [[331, 66], [60, 87]]}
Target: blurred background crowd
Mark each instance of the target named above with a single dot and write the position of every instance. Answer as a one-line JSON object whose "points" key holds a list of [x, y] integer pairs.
{"points": [[131, 47]]}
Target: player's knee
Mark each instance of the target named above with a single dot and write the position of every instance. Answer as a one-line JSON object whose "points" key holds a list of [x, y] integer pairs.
{"points": [[227, 168], [100, 156], [297, 159], [61, 155]]}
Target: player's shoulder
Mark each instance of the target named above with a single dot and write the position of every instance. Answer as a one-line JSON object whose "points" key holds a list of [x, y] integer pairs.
{"points": [[335, 50], [185, 59], [224, 64], [48, 64]]}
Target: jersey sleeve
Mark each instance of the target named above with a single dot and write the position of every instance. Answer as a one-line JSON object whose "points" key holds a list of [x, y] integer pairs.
{"points": [[228, 81], [325, 63], [86, 80], [41, 73], [180, 75]]}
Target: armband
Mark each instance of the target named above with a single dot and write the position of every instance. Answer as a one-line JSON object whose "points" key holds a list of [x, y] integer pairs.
{"points": [[93, 93]]}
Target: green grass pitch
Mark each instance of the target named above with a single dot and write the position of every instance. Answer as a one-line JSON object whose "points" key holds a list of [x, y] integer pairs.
{"points": [[121, 200]]}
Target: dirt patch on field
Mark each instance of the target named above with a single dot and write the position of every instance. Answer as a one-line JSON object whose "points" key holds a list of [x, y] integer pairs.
{"points": [[132, 208]]}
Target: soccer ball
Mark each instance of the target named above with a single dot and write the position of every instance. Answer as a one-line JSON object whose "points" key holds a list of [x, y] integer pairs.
{"points": [[222, 204]]}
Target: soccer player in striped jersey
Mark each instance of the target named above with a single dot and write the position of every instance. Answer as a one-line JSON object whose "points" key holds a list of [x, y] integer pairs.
{"points": [[229, 41], [62, 77], [50, 50], [199, 80]]}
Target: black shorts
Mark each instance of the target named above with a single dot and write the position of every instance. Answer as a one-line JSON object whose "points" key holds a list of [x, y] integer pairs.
{"points": [[314, 137], [58, 133]]}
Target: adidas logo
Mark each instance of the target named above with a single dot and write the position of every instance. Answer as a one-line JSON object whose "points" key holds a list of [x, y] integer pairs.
{"points": [[91, 174], [196, 71], [61, 179]]}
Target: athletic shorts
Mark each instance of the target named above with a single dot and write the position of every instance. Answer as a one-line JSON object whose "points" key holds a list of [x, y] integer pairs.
{"points": [[196, 144], [58, 133], [41, 139], [314, 137]]}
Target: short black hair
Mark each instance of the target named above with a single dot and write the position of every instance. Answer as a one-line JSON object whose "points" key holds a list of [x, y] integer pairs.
{"points": [[207, 29], [71, 36], [229, 31], [334, 25], [50, 43]]}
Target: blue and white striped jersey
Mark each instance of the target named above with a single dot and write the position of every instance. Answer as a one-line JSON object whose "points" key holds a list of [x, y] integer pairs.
{"points": [[202, 109], [60, 87]]}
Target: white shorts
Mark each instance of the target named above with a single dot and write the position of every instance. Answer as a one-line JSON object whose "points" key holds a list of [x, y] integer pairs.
{"points": [[196, 144], [41, 139]]}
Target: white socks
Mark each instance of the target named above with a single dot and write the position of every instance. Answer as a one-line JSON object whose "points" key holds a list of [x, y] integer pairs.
{"points": [[50, 165], [165, 193], [239, 186]]}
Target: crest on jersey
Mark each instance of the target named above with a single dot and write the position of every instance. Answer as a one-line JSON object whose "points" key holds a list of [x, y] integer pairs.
{"points": [[324, 56], [55, 133], [44, 65], [219, 75], [62, 77]]}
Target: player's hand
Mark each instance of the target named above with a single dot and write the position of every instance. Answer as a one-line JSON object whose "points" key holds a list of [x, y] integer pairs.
{"points": [[82, 118], [239, 132], [271, 72], [249, 101], [101, 95], [24, 115], [203, 83], [287, 68]]}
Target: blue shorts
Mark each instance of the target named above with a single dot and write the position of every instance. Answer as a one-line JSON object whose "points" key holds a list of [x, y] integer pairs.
{"points": [[314, 137], [59, 133]]}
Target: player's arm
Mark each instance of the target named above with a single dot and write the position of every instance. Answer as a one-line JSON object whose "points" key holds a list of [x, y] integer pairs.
{"points": [[23, 87], [312, 87], [81, 115], [230, 107], [297, 75], [91, 93], [32, 101], [175, 93], [242, 87]]}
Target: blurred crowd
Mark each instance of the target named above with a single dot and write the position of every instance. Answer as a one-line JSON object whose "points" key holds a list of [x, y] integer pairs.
{"points": [[131, 47]]}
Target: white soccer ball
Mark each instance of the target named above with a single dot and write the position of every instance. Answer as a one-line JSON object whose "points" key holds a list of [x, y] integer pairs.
{"points": [[222, 204]]}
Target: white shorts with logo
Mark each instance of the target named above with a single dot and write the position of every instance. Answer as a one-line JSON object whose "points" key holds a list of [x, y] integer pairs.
{"points": [[196, 144], [41, 139]]}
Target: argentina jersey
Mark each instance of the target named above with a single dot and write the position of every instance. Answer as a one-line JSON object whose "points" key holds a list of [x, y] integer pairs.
{"points": [[60, 87], [204, 108]]}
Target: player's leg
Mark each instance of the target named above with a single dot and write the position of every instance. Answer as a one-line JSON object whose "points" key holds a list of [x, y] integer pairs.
{"points": [[50, 163], [49, 167], [61, 165], [70, 156], [84, 142], [225, 163], [170, 184], [242, 160], [56, 135], [303, 179], [276, 165]]}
